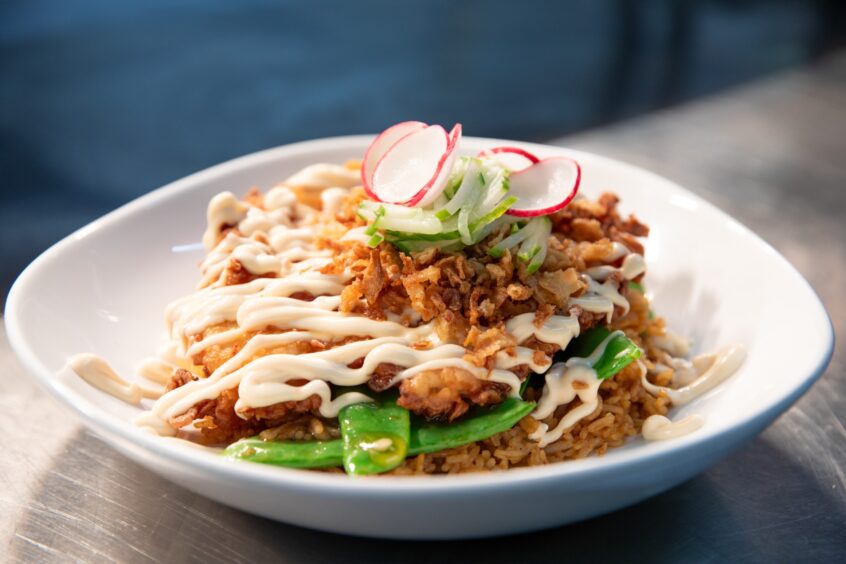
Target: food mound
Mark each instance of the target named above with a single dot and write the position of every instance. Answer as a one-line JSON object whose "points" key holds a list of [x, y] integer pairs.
{"points": [[421, 312]]}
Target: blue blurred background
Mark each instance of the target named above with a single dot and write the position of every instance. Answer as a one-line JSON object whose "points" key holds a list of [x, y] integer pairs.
{"points": [[104, 100]]}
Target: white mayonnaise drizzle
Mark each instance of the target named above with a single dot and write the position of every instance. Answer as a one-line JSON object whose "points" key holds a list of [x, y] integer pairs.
{"points": [[603, 295], [156, 370], [320, 176], [224, 209], [148, 422], [558, 329], [332, 199], [257, 258], [672, 343], [618, 250], [522, 355], [659, 428], [601, 298], [566, 381], [711, 369], [97, 372], [633, 266]]}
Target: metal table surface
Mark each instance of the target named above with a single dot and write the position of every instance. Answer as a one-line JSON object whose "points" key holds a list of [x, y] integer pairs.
{"points": [[772, 154]]}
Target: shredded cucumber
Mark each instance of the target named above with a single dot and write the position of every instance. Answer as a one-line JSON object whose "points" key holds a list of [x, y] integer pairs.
{"points": [[540, 238], [532, 239], [375, 239], [464, 227], [529, 247], [512, 240], [467, 191], [495, 213], [409, 246], [473, 204], [496, 189], [537, 260], [419, 222], [373, 227], [454, 181], [370, 207]]}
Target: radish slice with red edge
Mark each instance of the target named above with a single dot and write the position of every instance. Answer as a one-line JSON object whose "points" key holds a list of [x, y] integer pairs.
{"points": [[545, 187], [383, 142], [445, 169], [512, 158], [414, 171]]}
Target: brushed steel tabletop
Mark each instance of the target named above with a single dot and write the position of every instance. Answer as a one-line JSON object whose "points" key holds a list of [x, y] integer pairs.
{"points": [[772, 154]]}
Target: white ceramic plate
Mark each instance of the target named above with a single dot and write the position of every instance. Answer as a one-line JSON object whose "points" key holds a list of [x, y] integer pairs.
{"points": [[103, 290]]}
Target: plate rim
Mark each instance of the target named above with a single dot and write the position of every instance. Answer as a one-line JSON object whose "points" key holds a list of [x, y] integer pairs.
{"points": [[104, 423]]}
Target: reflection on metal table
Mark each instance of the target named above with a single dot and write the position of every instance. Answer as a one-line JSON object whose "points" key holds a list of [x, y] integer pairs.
{"points": [[771, 154]]}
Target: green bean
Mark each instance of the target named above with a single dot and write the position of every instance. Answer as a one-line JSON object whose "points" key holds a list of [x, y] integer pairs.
{"points": [[431, 437], [292, 454], [375, 437]]}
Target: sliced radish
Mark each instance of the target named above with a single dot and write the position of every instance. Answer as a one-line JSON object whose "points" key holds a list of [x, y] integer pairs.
{"points": [[380, 146], [440, 182], [545, 187], [512, 158], [415, 169]]}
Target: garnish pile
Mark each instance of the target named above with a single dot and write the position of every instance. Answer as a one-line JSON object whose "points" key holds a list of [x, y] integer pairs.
{"points": [[423, 195]]}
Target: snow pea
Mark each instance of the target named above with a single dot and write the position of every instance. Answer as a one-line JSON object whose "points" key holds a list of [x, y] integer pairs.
{"points": [[292, 454], [364, 425], [619, 352], [375, 437], [432, 437], [637, 287]]}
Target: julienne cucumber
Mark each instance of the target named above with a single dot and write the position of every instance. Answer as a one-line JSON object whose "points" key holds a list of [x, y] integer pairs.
{"points": [[532, 240], [472, 205]]}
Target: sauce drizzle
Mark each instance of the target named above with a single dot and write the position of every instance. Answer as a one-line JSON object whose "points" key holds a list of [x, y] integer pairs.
{"points": [[97, 372]]}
